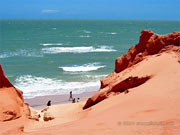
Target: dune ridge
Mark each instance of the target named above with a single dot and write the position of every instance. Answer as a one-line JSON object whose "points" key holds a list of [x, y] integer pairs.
{"points": [[149, 44]]}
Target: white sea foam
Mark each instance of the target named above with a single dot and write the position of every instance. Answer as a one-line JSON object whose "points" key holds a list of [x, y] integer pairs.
{"points": [[82, 49], [94, 77], [84, 36], [83, 68], [33, 86], [112, 33], [86, 31], [49, 44], [21, 52], [4, 56]]}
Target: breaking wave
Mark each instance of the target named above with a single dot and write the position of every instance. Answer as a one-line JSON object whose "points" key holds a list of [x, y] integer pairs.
{"points": [[49, 44], [33, 86], [83, 68], [77, 49]]}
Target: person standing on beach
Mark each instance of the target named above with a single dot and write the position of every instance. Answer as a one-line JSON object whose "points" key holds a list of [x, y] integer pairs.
{"points": [[74, 100], [70, 96], [49, 103]]}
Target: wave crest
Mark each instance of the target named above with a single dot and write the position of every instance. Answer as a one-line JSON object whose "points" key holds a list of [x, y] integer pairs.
{"points": [[49, 44], [83, 68], [81, 49]]}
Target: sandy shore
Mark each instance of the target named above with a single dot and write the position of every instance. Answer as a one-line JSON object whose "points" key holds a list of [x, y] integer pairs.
{"points": [[56, 99]]}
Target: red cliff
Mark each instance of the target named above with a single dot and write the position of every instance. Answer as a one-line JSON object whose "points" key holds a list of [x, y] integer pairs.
{"points": [[12, 105], [149, 44], [119, 81]]}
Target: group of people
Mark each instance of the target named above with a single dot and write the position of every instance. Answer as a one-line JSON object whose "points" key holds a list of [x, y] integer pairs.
{"points": [[73, 99], [70, 99]]}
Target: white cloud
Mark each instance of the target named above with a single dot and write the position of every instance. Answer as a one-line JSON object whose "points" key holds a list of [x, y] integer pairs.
{"points": [[49, 11]]}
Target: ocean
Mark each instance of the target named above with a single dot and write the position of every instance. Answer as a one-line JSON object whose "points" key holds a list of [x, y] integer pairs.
{"points": [[50, 57]]}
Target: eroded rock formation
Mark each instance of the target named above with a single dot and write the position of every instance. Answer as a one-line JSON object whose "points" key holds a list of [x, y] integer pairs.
{"points": [[117, 82], [149, 44], [12, 105]]}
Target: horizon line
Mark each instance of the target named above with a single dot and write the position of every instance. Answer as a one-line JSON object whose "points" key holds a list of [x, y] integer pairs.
{"points": [[87, 19]]}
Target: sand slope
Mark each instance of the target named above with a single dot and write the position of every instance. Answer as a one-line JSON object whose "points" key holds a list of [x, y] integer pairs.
{"points": [[151, 108]]}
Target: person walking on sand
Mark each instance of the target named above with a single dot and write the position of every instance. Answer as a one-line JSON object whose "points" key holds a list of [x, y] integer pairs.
{"points": [[70, 96], [49, 103]]}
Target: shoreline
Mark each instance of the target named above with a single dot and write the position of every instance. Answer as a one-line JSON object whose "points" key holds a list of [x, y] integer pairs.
{"points": [[40, 101], [140, 96]]}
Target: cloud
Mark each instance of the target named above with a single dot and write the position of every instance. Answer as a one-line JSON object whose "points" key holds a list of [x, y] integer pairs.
{"points": [[49, 11]]}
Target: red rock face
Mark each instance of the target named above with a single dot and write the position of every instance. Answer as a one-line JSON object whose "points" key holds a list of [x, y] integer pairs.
{"points": [[4, 82], [12, 105], [149, 44], [118, 86]]}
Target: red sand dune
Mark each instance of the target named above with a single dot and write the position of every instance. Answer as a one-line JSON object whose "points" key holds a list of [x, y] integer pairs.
{"points": [[140, 97], [149, 44]]}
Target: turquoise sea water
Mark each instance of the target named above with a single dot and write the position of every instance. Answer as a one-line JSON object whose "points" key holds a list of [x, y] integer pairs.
{"points": [[47, 57]]}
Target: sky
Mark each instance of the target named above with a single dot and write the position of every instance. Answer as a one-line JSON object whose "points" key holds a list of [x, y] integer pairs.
{"points": [[90, 9]]}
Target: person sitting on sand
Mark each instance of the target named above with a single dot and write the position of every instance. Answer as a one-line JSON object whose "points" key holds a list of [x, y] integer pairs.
{"points": [[70, 96], [78, 100], [74, 100], [49, 103]]}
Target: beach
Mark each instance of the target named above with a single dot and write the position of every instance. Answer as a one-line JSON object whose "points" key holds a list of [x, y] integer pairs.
{"points": [[130, 88], [56, 99], [86, 67]]}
